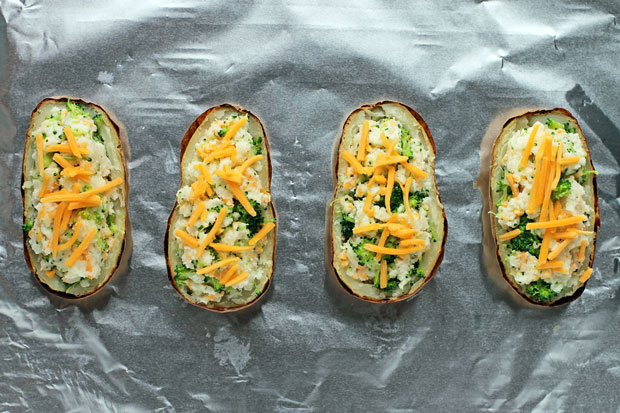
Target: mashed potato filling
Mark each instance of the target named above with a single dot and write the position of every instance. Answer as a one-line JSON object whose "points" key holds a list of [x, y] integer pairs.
{"points": [[71, 192], [542, 212], [384, 217], [222, 230]]}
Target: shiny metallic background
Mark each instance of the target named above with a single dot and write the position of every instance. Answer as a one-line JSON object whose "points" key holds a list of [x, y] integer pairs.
{"points": [[465, 343]]}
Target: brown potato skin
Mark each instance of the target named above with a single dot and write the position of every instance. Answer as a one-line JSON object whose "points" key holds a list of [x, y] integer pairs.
{"points": [[27, 257], [422, 123], [184, 142], [597, 218]]}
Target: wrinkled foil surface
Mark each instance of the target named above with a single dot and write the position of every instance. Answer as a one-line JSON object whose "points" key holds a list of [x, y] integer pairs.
{"points": [[465, 343]]}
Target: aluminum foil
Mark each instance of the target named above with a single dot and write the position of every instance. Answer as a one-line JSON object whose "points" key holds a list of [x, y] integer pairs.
{"points": [[465, 343]]}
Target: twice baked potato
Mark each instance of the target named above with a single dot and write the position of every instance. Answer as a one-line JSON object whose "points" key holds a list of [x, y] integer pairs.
{"points": [[544, 206], [221, 237], [74, 195], [389, 228]]}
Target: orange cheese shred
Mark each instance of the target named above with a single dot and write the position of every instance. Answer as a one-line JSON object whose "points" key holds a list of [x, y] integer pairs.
{"points": [[412, 242], [392, 251], [544, 247], [186, 238], [76, 230], [586, 275], [241, 277], [262, 233], [361, 152], [569, 160], [60, 160], [213, 232], [75, 149], [238, 193], [234, 128], [557, 223], [219, 264], [383, 278], [413, 170], [195, 214], [81, 248], [513, 185], [230, 248], [245, 165], [551, 264], [51, 273], [64, 148], [510, 235], [582, 251], [229, 274], [528, 147], [359, 169], [553, 254], [60, 210]]}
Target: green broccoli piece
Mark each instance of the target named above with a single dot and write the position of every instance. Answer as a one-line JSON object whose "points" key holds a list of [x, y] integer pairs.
{"points": [[346, 224], [527, 241], [215, 283], [257, 145], [222, 132], [391, 284], [363, 255], [433, 231], [405, 142], [563, 189], [28, 225], [390, 242], [75, 109], [253, 223], [504, 188], [540, 290], [47, 159], [416, 272], [93, 214], [98, 119], [101, 244], [415, 199], [568, 128], [553, 124], [181, 273], [396, 199]]}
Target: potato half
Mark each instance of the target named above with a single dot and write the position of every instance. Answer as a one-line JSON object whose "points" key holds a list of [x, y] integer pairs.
{"points": [[545, 153], [74, 194], [386, 197], [221, 237]]}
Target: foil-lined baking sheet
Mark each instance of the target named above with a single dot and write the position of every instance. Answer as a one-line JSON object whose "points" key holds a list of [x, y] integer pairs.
{"points": [[465, 343]]}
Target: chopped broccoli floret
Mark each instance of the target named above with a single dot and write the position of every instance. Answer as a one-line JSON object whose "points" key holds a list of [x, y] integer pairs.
{"points": [[541, 290], [396, 199], [28, 225], [433, 231], [74, 109], [415, 199], [504, 188], [363, 255], [391, 284], [222, 132], [390, 242], [215, 283], [181, 274], [93, 214], [47, 159], [98, 119], [416, 272], [346, 224], [526, 241], [101, 244], [553, 124], [257, 145], [253, 223], [563, 189], [405, 142]]}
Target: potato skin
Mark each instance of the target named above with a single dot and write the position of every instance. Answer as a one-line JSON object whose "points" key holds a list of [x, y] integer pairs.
{"points": [[426, 129], [597, 218], [184, 143], [27, 254]]}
